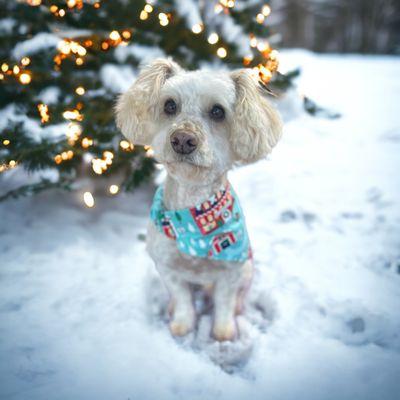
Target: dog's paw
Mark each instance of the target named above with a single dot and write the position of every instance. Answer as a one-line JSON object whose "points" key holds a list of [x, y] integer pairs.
{"points": [[226, 331], [180, 328]]}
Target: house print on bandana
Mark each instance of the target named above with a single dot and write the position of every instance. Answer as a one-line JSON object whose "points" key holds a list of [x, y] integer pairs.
{"points": [[214, 229], [213, 213]]}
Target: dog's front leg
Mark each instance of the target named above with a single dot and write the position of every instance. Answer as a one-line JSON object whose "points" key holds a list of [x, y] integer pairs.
{"points": [[225, 297], [181, 307]]}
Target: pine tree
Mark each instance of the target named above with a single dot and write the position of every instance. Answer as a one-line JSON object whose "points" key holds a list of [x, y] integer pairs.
{"points": [[63, 63]]}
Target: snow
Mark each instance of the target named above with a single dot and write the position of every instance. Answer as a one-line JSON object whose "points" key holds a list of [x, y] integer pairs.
{"points": [[49, 95], [141, 52], [39, 42], [33, 127], [190, 10], [116, 78], [82, 312]]}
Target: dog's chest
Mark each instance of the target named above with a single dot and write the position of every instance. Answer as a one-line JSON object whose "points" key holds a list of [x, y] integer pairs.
{"points": [[169, 259]]}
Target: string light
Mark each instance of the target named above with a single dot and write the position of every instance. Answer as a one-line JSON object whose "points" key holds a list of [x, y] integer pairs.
{"points": [[263, 46], [6, 142], [197, 28], [247, 60], [88, 199], [144, 15], [114, 35], [86, 142], [260, 18], [96, 5], [125, 145], [227, 3], [73, 115], [75, 4], [98, 165], [221, 52], [126, 35], [16, 70], [73, 132], [25, 78], [264, 73], [113, 189], [149, 151], [4, 67], [61, 13], [266, 10], [108, 157], [44, 113], [218, 8], [148, 8], [34, 3], [12, 164], [64, 156], [80, 91], [164, 21], [213, 38], [25, 61]]}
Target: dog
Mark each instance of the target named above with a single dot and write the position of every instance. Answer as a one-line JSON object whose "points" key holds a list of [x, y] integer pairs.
{"points": [[199, 124]]}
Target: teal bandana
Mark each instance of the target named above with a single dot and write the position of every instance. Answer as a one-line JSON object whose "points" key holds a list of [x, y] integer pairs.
{"points": [[214, 229]]}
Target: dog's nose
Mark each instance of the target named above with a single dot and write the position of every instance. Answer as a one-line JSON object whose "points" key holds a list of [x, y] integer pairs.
{"points": [[183, 143]]}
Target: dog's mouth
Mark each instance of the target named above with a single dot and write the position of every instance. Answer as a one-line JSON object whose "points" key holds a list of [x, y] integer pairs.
{"points": [[188, 159], [182, 161]]}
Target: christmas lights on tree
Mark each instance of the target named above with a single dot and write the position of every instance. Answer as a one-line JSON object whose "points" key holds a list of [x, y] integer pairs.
{"points": [[60, 66]]}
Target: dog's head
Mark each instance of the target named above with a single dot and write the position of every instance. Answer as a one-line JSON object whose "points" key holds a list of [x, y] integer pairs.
{"points": [[199, 123]]}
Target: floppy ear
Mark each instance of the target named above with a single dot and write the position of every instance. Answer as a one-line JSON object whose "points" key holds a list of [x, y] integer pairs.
{"points": [[135, 108], [257, 126]]}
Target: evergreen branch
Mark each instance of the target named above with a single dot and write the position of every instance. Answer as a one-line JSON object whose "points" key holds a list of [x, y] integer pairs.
{"points": [[35, 188]]}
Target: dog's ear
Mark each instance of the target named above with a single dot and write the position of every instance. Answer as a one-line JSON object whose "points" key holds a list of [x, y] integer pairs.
{"points": [[135, 109], [257, 126]]}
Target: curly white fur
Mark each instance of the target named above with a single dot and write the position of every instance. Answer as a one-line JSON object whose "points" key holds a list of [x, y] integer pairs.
{"points": [[250, 130]]}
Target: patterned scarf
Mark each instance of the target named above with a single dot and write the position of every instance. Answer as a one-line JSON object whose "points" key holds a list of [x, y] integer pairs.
{"points": [[214, 229]]}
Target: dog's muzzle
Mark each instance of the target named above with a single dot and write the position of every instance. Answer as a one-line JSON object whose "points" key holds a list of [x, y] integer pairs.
{"points": [[183, 142]]}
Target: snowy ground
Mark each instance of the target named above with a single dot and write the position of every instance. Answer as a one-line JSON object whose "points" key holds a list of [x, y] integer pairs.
{"points": [[79, 314]]}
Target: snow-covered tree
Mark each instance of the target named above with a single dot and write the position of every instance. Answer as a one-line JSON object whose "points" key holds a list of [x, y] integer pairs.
{"points": [[64, 62]]}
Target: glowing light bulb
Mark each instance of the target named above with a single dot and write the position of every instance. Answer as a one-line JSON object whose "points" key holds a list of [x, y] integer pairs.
{"points": [[266, 10], [114, 189], [221, 52], [114, 35], [197, 28], [260, 18], [80, 90], [213, 38], [148, 8], [88, 199], [25, 78]]}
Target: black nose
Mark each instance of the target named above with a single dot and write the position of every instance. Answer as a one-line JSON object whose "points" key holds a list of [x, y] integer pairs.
{"points": [[183, 143]]}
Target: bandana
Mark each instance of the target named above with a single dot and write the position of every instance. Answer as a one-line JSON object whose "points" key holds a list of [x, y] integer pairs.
{"points": [[214, 229]]}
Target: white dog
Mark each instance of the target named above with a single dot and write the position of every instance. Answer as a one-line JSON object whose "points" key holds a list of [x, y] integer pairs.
{"points": [[199, 124]]}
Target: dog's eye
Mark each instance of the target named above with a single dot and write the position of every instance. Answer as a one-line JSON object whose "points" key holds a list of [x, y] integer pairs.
{"points": [[217, 113], [170, 107]]}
